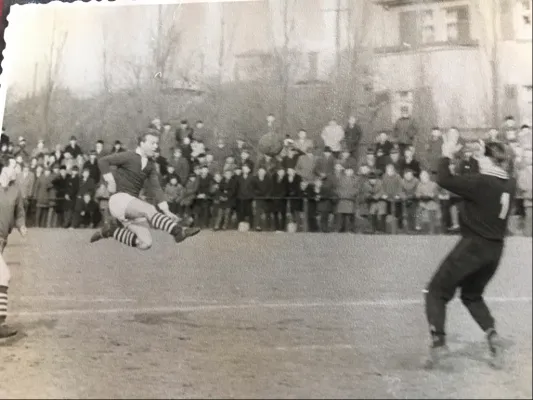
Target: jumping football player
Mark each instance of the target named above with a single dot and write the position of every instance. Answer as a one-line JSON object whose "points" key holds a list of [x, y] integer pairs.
{"points": [[470, 266], [133, 170], [11, 215]]}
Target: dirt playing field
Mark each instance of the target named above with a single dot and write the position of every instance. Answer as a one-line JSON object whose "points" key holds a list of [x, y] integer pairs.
{"points": [[251, 315]]}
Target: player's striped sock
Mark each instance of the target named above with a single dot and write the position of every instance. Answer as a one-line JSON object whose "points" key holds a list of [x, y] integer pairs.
{"points": [[125, 236], [164, 223], [3, 303]]}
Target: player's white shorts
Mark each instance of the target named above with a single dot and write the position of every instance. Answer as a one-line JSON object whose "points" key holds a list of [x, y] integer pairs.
{"points": [[118, 204]]}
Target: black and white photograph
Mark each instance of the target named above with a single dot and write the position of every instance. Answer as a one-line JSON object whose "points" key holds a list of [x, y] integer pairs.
{"points": [[252, 199]]}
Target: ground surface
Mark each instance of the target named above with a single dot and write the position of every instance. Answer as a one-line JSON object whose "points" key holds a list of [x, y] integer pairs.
{"points": [[255, 315]]}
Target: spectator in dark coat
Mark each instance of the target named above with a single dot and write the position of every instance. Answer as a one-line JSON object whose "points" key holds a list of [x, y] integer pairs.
{"points": [[434, 150], [279, 204], [184, 131], [294, 192], [405, 130], [325, 164], [245, 195], [352, 136], [88, 213], [181, 166], [244, 159], [203, 197], [291, 159], [63, 201], [117, 147], [221, 151], [263, 203], [468, 164], [73, 148], [92, 165], [226, 193], [409, 162]]}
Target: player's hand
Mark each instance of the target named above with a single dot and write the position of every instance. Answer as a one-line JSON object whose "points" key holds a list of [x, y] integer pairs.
{"points": [[172, 216], [23, 231], [111, 187]]}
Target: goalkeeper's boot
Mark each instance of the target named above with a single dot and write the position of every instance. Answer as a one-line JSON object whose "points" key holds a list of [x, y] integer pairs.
{"points": [[106, 231], [495, 349]]}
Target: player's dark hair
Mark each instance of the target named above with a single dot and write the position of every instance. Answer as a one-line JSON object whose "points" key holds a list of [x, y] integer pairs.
{"points": [[149, 132], [497, 153]]}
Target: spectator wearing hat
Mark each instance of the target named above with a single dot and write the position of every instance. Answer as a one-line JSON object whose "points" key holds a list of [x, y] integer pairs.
{"points": [[183, 131], [333, 135], [42, 193], [92, 165], [117, 147], [73, 148], [325, 164], [21, 150], [467, 163], [409, 188], [40, 149]]}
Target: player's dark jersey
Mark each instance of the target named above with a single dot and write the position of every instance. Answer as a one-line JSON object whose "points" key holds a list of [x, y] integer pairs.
{"points": [[129, 175], [487, 199]]}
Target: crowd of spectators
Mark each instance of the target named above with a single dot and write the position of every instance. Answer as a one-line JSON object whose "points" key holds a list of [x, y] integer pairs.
{"points": [[319, 185]]}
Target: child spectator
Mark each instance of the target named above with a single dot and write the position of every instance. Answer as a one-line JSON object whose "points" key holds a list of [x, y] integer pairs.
{"points": [[410, 162], [88, 215], [434, 150], [409, 186], [372, 194], [347, 192], [181, 166], [427, 193], [392, 188], [216, 195], [322, 196], [174, 193]]}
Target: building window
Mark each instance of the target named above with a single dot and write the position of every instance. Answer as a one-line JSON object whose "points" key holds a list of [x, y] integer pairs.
{"points": [[524, 18], [452, 26], [428, 27]]}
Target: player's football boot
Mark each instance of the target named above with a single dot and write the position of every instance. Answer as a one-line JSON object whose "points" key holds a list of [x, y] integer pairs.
{"points": [[7, 332], [105, 232], [495, 349], [435, 355], [185, 233]]}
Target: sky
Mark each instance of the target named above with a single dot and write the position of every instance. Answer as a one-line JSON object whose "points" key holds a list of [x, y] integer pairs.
{"points": [[128, 31]]}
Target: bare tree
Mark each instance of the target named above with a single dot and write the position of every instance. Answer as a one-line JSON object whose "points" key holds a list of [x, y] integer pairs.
{"points": [[106, 75], [54, 62], [284, 55]]}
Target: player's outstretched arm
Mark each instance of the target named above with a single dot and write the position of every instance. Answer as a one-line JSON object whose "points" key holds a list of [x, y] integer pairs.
{"points": [[464, 186]]}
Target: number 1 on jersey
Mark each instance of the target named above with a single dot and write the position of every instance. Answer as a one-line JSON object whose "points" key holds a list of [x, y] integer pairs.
{"points": [[504, 201]]}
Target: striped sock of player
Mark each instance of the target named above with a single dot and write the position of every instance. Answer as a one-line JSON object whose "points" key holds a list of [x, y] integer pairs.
{"points": [[164, 223], [3, 303], [125, 236]]}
